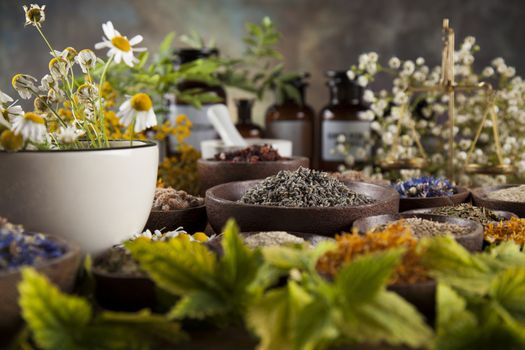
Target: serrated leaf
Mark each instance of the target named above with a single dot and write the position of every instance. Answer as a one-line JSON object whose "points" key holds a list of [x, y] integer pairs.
{"points": [[451, 263], [303, 257], [508, 290], [56, 320], [198, 305], [361, 279], [387, 318], [179, 266]]}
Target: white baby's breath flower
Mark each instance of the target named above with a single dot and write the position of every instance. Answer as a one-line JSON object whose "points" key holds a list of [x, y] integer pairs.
{"points": [[35, 14], [373, 56], [341, 138], [400, 98], [31, 126], [350, 74], [509, 72], [120, 48], [363, 60], [420, 61], [138, 110], [408, 67], [69, 134], [375, 126], [394, 63], [86, 59], [25, 85], [362, 81], [388, 138], [368, 96], [367, 115]]}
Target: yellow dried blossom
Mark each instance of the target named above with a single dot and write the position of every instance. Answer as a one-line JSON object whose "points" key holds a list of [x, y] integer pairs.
{"points": [[395, 235], [510, 230], [10, 141]]}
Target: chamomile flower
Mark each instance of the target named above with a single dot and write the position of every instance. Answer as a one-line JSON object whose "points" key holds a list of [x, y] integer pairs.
{"points": [[31, 126], [68, 53], [4, 98], [86, 59], [48, 83], [9, 141], [87, 92], [8, 113], [25, 85], [120, 47], [69, 134], [138, 110], [59, 67], [35, 14]]}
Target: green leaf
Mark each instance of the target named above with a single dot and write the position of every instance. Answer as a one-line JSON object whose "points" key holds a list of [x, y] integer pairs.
{"points": [[508, 289], [314, 326], [360, 280], [179, 266], [239, 264], [451, 263], [387, 318], [198, 305], [302, 257], [165, 45], [56, 320]]}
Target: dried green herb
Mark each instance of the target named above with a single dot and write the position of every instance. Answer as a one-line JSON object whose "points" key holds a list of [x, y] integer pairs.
{"points": [[467, 211]]}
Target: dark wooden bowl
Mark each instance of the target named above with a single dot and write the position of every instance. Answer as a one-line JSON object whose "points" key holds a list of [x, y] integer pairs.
{"points": [[192, 219], [422, 295], [461, 196], [502, 215], [221, 204], [213, 172], [62, 271], [119, 292], [472, 241], [479, 197]]}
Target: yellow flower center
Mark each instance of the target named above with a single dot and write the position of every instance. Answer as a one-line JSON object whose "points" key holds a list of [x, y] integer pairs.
{"points": [[71, 53], [10, 141], [121, 43], [141, 102], [34, 15], [33, 117]]}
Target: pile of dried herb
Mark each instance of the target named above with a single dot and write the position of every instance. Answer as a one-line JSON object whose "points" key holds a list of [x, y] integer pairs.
{"points": [[395, 235], [167, 199], [303, 188], [424, 187], [428, 228], [271, 238], [511, 194], [467, 211], [251, 154], [18, 248], [510, 230], [354, 175]]}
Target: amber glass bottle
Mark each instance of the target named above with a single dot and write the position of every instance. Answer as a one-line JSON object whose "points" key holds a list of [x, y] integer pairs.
{"points": [[247, 128], [201, 129], [339, 124], [293, 120]]}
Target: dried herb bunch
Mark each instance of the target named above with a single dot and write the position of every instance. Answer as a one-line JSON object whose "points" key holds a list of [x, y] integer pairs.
{"points": [[396, 235], [303, 188], [467, 211], [251, 154], [510, 230]]}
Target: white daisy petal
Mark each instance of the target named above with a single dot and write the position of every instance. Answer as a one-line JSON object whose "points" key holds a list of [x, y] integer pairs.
{"points": [[136, 39]]}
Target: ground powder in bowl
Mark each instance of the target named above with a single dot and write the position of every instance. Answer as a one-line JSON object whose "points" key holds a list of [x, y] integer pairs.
{"points": [[469, 212], [271, 238], [303, 188], [428, 228], [510, 194]]}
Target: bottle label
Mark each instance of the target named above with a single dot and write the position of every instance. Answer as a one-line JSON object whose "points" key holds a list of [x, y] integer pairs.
{"points": [[201, 128], [297, 131], [345, 137]]}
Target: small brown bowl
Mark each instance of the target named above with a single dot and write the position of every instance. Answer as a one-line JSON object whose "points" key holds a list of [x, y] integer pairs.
{"points": [[215, 172], [191, 219], [461, 196], [120, 292], [62, 271], [422, 295], [221, 204], [479, 198], [472, 241], [502, 215]]}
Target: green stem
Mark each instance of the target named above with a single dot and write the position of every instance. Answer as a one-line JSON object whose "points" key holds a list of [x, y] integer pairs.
{"points": [[132, 132], [101, 111], [46, 41]]}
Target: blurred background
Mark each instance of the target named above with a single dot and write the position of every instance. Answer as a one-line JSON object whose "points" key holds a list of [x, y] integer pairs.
{"points": [[316, 35]]}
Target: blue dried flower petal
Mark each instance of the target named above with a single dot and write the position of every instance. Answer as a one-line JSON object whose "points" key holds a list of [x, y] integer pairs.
{"points": [[425, 186]]}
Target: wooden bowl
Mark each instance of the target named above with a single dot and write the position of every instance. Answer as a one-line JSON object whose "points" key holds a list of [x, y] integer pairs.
{"points": [[502, 215], [221, 204], [62, 271], [422, 295], [215, 172], [479, 198], [191, 219], [120, 292], [461, 196], [472, 241]]}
